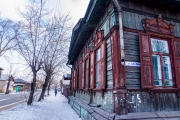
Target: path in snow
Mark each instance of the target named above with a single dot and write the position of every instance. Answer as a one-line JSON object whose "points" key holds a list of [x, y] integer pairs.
{"points": [[51, 108]]}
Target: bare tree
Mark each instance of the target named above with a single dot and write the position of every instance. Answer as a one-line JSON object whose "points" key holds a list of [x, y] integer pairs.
{"points": [[34, 38], [8, 33], [56, 54], [11, 75]]}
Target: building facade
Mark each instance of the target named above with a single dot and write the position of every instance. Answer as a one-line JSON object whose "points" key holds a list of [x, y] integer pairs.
{"points": [[21, 85], [125, 57], [65, 85]]}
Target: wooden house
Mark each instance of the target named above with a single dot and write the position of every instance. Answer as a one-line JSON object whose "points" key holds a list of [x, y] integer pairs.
{"points": [[125, 57], [4, 79], [21, 85]]}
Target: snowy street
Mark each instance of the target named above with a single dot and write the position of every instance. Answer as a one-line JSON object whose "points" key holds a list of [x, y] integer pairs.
{"points": [[6, 100], [51, 108]]}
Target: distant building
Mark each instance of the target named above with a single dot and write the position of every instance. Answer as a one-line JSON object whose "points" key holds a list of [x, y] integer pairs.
{"points": [[1, 69], [65, 84], [21, 85], [3, 83]]}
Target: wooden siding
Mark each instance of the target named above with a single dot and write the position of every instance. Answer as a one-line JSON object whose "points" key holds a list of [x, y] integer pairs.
{"points": [[133, 21], [141, 102], [109, 19], [109, 76], [131, 48], [106, 102]]}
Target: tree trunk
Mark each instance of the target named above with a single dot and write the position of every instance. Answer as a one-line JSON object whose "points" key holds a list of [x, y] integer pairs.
{"points": [[48, 88], [42, 92], [7, 88], [44, 87], [33, 84]]}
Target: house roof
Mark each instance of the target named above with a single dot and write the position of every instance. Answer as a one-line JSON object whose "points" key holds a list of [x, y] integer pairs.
{"points": [[20, 81], [85, 26], [4, 77]]}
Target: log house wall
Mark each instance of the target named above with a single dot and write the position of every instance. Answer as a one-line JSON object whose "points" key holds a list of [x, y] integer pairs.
{"points": [[131, 48], [109, 71], [137, 100], [141, 101]]}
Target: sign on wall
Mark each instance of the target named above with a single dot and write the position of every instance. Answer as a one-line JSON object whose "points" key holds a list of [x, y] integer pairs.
{"points": [[135, 64]]}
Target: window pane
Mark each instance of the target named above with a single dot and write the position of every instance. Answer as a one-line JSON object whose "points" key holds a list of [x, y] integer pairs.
{"points": [[80, 75], [87, 79], [74, 79], [157, 70], [159, 46], [87, 73], [87, 63], [167, 71], [97, 74], [97, 54]]}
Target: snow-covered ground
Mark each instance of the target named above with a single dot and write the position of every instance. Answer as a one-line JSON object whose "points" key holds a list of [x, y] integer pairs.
{"points": [[51, 108]]}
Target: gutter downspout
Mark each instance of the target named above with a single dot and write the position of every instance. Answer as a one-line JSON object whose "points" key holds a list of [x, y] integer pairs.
{"points": [[120, 31], [121, 92]]}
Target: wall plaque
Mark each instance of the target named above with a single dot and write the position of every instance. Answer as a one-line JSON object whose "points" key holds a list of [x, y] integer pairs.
{"points": [[134, 64]]}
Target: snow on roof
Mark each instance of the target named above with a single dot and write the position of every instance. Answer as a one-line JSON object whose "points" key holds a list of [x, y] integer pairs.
{"points": [[20, 81], [4, 77]]}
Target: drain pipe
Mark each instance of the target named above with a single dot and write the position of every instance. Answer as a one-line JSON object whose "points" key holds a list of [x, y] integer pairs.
{"points": [[121, 92], [120, 31]]}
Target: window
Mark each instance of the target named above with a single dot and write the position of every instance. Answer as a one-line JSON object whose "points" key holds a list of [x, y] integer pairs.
{"points": [[161, 63], [80, 76], [97, 59], [159, 46], [74, 79], [97, 68], [87, 73]]}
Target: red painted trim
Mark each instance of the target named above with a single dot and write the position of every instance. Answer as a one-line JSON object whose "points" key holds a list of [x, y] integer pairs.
{"points": [[147, 78], [176, 63]]}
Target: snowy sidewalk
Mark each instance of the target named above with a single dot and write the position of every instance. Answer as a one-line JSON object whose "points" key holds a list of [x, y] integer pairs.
{"points": [[52, 108]]}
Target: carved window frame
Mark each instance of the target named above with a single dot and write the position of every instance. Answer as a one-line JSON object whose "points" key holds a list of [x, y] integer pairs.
{"points": [[99, 42], [98, 46], [86, 57], [79, 82], [97, 64], [161, 64]]}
